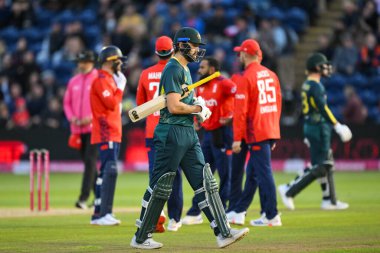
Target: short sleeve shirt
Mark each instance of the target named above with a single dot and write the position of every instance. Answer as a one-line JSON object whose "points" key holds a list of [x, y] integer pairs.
{"points": [[172, 79]]}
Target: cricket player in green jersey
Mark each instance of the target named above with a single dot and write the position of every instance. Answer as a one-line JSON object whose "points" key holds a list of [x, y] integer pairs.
{"points": [[318, 123], [177, 144]]}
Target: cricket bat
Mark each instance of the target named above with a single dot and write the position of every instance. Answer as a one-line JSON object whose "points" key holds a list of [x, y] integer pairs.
{"points": [[142, 111]]}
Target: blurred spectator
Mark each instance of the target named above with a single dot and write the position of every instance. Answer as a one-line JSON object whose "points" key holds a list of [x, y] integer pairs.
{"points": [[132, 22], [267, 44], [49, 83], [217, 23], [15, 93], [5, 13], [73, 45], [3, 51], [22, 14], [346, 56], [354, 111], [4, 116], [20, 117], [369, 18], [351, 13], [52, 43], [26, 69], [36, 103], [154, 20], [369, 58], [122, 40], [53, 114], [325, 46], [194, 19]]}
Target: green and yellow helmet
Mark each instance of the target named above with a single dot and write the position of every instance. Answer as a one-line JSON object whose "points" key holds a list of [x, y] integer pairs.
{"points": [[185, 36], [318, 62]]}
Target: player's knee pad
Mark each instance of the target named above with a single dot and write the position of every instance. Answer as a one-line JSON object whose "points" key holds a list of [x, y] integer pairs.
{"points": [[214, 203], [159, 195]]}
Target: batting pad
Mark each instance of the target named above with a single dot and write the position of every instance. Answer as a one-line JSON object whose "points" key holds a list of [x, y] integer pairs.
{"points": [[214, 202], [160, 195]]}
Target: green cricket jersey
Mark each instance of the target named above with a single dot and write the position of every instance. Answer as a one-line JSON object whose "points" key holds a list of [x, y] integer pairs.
{"points": [[314, 103], [173, 77]]}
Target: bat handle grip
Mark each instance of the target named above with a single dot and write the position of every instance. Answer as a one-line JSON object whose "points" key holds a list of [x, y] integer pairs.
{"points": [[184, 90]]}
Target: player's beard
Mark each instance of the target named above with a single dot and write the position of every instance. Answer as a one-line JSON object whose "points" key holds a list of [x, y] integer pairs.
{"points": [[204, 76]]}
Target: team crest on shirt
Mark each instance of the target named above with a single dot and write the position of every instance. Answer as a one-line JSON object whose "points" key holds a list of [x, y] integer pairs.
{"points": [[106, 93]]}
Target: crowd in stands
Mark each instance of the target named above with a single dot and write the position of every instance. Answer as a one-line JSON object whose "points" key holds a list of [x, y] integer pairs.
{"points": [[40, 39]]}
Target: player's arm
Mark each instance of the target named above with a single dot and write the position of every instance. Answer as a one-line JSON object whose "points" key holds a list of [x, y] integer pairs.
{"points": [[240, 114], [175, 106], [109, 98], [228, 88], [67, 102], [141, 96]]}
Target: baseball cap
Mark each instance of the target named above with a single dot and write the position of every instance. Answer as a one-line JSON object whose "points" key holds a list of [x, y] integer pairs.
{"points": [[164, 46], [249, 46], [87, 55]]}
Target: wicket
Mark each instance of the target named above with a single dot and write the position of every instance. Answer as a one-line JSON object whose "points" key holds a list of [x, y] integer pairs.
{"points": [[36, 157]]}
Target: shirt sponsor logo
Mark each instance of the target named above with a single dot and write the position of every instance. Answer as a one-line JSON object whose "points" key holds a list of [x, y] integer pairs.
{"points": [[240, 96], [106, 93], [211, 102], [154, 75]]}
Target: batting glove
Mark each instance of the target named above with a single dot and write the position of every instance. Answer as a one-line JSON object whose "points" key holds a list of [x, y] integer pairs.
{"points": [[120, 80], [205, 113], [343, 131]]}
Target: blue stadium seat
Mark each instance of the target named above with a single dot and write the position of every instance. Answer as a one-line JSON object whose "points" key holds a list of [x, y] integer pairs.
{"points": [[92, 34], [10, 35], [87, 17], [274, 13], [33, 35], [374, 84], [337, 111], [64, 71], [358, 80], [368, 97], [335, 97], [66, 17], [297, 19], [44, 18], [337, 81]]}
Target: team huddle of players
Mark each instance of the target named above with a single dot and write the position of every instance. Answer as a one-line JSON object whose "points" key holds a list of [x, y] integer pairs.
{"points": [[235, 117]]}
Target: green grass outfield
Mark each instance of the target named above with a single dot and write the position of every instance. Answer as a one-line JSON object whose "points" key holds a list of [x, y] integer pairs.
{"points": [[307, 229]]}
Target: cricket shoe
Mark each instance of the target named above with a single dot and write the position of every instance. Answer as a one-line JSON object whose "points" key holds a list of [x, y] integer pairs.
{"points": [[173, 225], [264, 222], [230, 215], [236, 235], [106, 220], [287, 201], [327, 205], [192, 220], [147, 244], [81, 205], [238, 218], [160, 227], [112, 218]]}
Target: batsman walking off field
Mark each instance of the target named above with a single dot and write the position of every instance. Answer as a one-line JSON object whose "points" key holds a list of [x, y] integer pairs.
{"points": [[317, 131], [177, 143], [147, 89]]}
